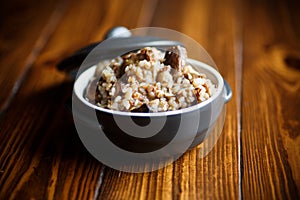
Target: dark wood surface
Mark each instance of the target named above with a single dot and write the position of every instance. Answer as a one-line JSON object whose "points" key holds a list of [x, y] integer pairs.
{"points": [[256, 46]]}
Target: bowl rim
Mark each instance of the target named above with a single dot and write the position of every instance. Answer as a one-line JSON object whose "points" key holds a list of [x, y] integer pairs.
{"points": [[213, 71]]}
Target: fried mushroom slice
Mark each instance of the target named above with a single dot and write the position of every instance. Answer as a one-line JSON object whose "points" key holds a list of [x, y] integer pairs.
{"points": [[143, 109], [92, 91], [176, 57]]}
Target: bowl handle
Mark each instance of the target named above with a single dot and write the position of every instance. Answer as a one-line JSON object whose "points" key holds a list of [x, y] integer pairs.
{"points": [[228, 92]]}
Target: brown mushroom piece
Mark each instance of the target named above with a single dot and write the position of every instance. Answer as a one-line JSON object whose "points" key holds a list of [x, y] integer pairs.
{"points": [[176, 57], [91, 91], [143, 108]]}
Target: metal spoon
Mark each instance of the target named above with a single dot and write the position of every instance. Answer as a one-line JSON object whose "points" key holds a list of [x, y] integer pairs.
{"points": [[118, 41]]}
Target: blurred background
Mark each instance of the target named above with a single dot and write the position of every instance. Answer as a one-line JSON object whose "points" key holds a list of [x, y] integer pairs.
{"points": [[256, 46]]}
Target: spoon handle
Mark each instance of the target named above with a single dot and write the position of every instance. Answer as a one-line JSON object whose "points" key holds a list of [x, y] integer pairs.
{"points": [[110, 48]]}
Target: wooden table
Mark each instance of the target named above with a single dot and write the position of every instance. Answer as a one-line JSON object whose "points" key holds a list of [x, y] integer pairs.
{"points": [[256, 46]]}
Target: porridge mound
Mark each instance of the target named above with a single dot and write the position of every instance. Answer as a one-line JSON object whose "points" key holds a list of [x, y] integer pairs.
{"points": [[148, 80]]}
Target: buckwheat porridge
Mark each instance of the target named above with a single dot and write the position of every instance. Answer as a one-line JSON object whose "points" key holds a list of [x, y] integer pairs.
{"points": [[148, 80]]}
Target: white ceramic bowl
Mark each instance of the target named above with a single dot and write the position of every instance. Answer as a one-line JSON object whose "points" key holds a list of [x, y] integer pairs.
{"points": [[134, 139]]}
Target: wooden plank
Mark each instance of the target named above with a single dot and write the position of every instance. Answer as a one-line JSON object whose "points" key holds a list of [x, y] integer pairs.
{"points": [[89, 28], [41, 154], [22, 35], [271, 106], [217, 175]]}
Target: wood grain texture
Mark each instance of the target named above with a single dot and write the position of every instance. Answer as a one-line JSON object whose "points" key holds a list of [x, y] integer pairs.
{"points": [[255, 45], [271, 100], [41, 154], [22, 36]]}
